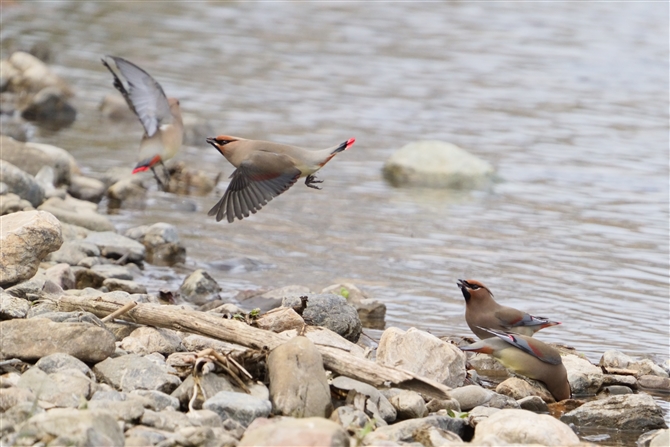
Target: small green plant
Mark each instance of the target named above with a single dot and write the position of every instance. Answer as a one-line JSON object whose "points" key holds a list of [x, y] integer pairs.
{"points": [[457, 414], [255, 313], [344, 292]]}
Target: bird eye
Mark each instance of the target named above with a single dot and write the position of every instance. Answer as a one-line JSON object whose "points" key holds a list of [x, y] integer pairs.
{"points": [[474, 286]]}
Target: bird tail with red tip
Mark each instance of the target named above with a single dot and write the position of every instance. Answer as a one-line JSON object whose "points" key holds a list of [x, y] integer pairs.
{"points": [[344, 146], [147, 164]]}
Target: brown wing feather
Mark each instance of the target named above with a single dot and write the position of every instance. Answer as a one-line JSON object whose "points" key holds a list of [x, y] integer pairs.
{"points": [[254, 183]]}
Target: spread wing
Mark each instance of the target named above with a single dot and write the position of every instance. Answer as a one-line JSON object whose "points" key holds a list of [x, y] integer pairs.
{"points": [[529, 345], [256, 181], [143, 94]]}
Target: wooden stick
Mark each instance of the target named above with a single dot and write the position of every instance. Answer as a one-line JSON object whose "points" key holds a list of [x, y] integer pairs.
{"points": [[335, 359], [121, 311]]}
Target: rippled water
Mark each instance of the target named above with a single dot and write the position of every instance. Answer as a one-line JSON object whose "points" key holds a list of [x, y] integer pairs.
{"points": [[568, 100]]}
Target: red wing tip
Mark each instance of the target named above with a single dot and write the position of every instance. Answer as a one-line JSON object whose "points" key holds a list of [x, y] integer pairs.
{"points": [[140, 169], [350, 141]]}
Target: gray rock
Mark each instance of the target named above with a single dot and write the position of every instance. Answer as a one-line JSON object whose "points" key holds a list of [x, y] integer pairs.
{"points": [[534, 404], [240, 407], [133, 372], [518, 388], [141, 436], [113, 284], [26, 238], [62, 275], [288, 432], [66, 388], [158, 401], [204, 418], [654, 438], [165, 420], [613, 390], [654, 382], [161, 241], [486, 365], [471, 396], [127, 192], [279, 320], [584, 378], [86, 188], [371, 312], [16, 415], [423, 354], [524, 427], [115, 246], [624, 412], [65, 426], [210, 385], [145, 340], [46, 177], [501, 401], [12, 307], [298, 384], [406, 431], [436, 164], [616, 359], [618, 379], [330, 311], [386, 411], [11, 203], [87, 342], [199, 287], [128, 410], [273, 298], [77, 212], [12, 396], [50, 105], [21, 183], [435, 405], [478, 414], [59, 361], [409, 405]]}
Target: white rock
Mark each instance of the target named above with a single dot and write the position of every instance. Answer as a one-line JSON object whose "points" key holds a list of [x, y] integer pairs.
{"points": [[524, 427], [437, 164], [423, 354]]}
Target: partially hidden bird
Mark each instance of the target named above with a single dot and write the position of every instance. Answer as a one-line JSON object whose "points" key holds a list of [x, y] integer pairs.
{"points": [[160, 116], [528, 357], [264, 170], [481, 310]]}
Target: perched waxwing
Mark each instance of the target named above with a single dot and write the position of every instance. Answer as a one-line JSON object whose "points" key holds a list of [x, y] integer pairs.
{"points": [[265, 170], [160, 116], [528, 357], [482, 311]]}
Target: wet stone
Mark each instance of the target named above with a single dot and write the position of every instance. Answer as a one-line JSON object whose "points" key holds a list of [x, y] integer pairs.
{"points": [[199, 287], [624, 412]]}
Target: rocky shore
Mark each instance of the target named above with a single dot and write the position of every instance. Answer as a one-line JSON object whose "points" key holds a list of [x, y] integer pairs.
{"points": [[89, 358]]}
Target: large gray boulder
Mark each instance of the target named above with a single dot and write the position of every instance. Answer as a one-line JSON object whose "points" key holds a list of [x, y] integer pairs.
{"points": [[623, 412], [436, 164], [35, 338], [298, 384], [618, 360], [423, 354], [26, 238], [523, 427], [330, 311], [21, 183]]}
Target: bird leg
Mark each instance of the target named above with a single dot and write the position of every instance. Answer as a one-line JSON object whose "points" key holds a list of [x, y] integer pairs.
{"points": [[311, 180], [160, 182], [167, 176]]}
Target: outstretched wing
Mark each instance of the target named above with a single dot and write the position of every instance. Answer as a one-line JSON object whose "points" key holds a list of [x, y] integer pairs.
{"points": [[254, 183], [528, 345], [143, 94]]}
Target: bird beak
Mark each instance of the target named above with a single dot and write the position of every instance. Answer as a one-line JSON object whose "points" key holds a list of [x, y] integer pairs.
{"points": [[212, 141], [461, 283]]}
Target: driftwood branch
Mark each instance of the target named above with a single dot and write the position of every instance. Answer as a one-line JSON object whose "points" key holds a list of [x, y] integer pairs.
{"points": [[340, 361]]}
